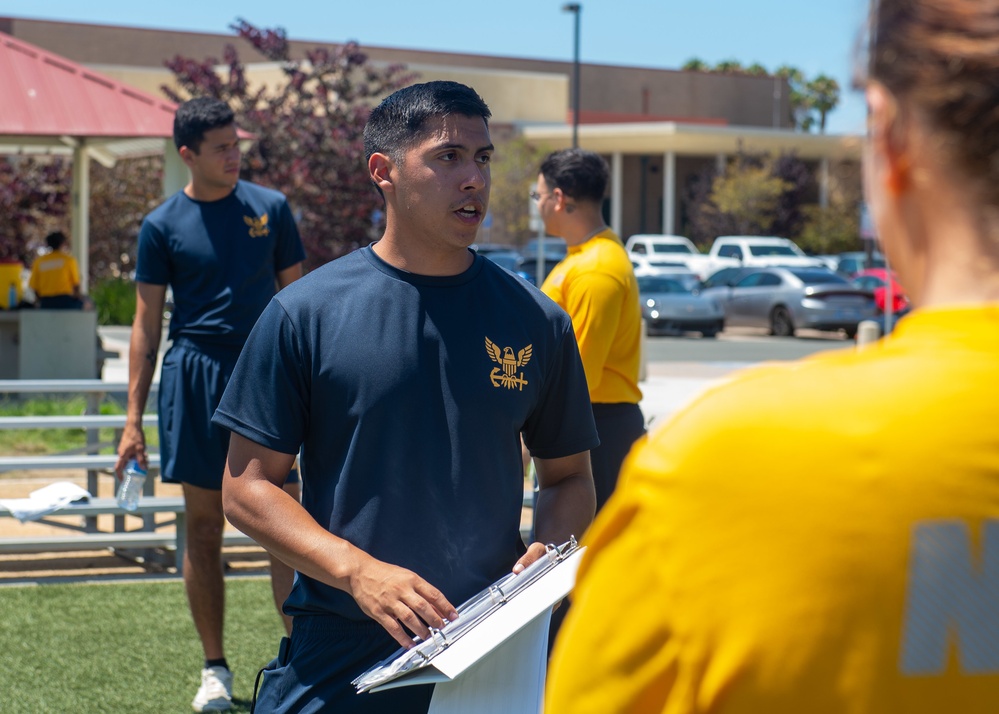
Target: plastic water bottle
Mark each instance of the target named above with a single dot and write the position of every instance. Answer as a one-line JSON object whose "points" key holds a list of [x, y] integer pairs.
{"points": [[131, 485], [12, 297]]}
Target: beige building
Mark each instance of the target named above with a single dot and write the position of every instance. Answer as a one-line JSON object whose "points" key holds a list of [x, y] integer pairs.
{"points": [[657, 127]]}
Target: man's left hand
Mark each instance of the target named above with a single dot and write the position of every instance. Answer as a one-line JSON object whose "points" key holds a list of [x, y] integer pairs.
{"points": [[534, 552]]}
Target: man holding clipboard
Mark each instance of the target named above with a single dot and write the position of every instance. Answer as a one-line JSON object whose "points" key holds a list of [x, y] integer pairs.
{"points": [[408, 371]]}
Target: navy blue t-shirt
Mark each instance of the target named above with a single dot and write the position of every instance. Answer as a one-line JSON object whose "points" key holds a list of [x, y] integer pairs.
{"points": [[408, 395], [220, 258]]}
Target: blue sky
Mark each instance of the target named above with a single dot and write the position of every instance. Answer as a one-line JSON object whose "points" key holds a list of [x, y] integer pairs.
{"points": [[817, 37]]}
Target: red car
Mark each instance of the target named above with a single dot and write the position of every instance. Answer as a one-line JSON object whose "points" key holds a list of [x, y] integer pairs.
{"points": [[876, 280]]}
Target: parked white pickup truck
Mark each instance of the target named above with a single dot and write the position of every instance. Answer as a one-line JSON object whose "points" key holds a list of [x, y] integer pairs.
{"points": [[667, 251], [757, 251], [726, 252]]}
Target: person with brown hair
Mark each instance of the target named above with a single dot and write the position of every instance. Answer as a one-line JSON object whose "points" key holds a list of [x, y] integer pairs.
{"points": [[824, 536]]}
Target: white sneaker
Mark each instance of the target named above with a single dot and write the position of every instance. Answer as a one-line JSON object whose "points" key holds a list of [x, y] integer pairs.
{"points": [[215, 693]]}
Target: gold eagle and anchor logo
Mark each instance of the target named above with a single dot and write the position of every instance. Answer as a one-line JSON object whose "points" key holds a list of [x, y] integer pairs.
{"points": [[258, 226], [506, 374]]}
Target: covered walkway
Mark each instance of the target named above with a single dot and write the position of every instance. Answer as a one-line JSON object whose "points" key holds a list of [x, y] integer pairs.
{"points": [[57, 107]]}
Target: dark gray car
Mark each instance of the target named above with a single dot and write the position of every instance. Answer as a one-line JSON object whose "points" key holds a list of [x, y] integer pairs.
{"points": [[786, 299], [671, 306]]}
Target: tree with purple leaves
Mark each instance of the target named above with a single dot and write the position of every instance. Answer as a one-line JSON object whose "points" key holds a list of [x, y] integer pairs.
{"points": [[34, 199], [308, 140]]}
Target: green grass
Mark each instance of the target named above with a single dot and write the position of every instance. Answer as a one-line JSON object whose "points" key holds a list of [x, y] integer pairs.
{"points": [[26, 442], [124, 647]]}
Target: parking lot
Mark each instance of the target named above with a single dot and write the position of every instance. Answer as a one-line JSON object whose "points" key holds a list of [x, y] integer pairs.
{"points": [[741, 345]]}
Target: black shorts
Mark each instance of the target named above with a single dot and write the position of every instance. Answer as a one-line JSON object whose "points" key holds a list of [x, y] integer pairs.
{"points": [[619, 427]]}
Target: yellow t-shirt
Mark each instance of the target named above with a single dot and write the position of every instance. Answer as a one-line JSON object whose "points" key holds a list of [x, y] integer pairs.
{"points": [[595, 284], [54, 273], [813, 538]]}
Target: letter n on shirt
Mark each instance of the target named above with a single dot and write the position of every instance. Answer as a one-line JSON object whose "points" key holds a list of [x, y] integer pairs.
{"points": [[951, 598]]}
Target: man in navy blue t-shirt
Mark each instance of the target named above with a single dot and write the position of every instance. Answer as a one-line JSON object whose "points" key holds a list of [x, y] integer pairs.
{"points": [[224, 246], [407, 371]]}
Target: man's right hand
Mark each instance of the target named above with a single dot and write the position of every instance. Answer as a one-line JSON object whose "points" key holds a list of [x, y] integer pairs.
{"points": [[393, 597], [131, 446]]}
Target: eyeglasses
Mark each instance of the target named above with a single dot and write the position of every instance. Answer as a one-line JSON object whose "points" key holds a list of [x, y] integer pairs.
{"points": [[535, 196]]}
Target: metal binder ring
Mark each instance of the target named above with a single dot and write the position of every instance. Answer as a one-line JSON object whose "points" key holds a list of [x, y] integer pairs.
{"points": [[444, 641]]}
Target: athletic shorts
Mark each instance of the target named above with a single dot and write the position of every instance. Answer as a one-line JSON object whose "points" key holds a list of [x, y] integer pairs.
{"points": [[192, 379], [314, 670], [619, 426]]}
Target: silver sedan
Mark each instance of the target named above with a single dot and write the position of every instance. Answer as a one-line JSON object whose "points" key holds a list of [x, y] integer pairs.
{"points": [[671, 306], [785, 299]]}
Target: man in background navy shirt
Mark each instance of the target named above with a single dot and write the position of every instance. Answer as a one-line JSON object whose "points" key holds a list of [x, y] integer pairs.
{"points": [[224, 246]]}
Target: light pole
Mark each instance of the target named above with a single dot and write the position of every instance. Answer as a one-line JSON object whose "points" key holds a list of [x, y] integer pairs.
{"points": [[576, 9]]}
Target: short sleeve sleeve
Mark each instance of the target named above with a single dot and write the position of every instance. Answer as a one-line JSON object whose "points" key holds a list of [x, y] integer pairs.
{"points": [[594, 300], [288, 248], [562, 422], [153, 260], [267, 398]]}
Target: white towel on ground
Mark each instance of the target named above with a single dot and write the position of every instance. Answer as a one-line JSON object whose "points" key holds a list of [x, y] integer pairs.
{"points": [[44, 501]]}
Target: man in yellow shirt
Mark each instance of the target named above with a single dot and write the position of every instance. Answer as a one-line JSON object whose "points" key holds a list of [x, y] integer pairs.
{"points": [[55, 276], [596, 285], [823, 537]]}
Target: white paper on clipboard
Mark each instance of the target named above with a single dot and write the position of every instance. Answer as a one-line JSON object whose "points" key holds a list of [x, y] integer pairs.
{"points": [[507, 646]]}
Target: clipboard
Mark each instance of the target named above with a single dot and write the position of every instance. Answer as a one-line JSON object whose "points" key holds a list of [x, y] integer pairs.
{"points": [[502, 613]]}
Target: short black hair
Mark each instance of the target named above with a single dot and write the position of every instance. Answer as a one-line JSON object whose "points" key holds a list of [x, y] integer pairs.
{"points": [[399, 121], [56, 240], [196, 116], [581, 174]]}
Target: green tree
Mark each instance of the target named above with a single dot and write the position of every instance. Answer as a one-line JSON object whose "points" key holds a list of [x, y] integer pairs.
{"points": [[729, 66], [695, 64], [823, 96], [831, 229], [757, 70], [810, 100], [514, 169], [799, 101], [749, 194]]}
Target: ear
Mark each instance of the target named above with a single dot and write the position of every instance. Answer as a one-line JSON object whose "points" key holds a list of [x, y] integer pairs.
{"points": [[888, 139], [562, 201], [380, 168], [187, 154]]}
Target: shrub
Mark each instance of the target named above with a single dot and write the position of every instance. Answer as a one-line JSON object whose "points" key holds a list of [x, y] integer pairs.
{"points": [[830, 230], [114, 299]]}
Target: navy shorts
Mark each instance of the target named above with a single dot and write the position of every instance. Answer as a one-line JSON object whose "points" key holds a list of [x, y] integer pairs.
{"points": [[192, 379], [314, 670]]}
